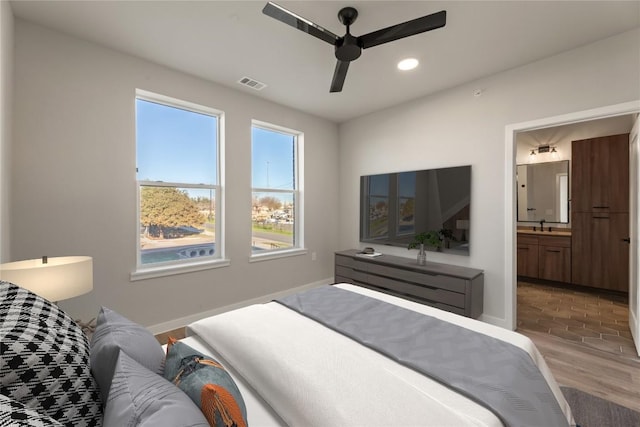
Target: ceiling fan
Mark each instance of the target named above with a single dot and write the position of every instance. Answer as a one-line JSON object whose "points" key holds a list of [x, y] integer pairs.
{"points": [[348, 47]]}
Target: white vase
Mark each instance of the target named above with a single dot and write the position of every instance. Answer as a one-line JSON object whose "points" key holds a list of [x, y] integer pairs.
{"points": [[422, 255]]}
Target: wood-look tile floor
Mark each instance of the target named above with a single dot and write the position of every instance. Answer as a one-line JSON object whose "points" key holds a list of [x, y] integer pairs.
{"points": [[584, 338], [595, 319]]}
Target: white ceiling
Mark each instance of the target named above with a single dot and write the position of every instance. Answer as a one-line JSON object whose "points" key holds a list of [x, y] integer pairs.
{"points": [[222, 41]]}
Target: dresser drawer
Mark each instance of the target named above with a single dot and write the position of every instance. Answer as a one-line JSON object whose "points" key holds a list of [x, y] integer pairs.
{"points": [[432, 294], [421, 278], [344, 261]]}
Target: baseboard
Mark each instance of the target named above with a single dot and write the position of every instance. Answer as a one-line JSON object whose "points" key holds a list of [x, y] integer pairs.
{"points": [[183, 321]]}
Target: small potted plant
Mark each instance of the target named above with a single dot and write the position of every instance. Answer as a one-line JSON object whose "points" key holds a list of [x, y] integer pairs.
{"points": [[447, 236], [429, 238]]}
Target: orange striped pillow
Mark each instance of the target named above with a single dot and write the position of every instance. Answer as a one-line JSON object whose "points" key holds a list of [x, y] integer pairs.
{"points": [[207, 383]]}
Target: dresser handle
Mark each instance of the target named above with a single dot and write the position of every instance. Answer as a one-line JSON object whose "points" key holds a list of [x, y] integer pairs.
{"points": [[553, 250], [601, 207]]}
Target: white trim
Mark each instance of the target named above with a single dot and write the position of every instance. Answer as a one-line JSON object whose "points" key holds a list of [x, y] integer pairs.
{"points": [[510, 281], [178, 267], [297, 192], [275, 254], [184, 321], [172, 269]]}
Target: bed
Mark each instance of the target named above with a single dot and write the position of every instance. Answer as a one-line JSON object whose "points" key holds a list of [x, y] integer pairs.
{"points": [[292, 370], [273, 364]]}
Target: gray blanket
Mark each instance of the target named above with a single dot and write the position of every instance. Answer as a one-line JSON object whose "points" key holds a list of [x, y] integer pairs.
{"points": [[494, 373]]}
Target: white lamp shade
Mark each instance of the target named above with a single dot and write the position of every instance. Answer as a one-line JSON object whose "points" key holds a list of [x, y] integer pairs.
{"points": [[462, 224], [58, 279]]}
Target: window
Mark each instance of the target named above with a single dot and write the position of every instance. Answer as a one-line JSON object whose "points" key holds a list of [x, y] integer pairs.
{"points": [[276, 191], [178, 182]]}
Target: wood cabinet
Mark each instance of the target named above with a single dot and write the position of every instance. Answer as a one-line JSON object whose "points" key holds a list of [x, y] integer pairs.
{"points": [[600, 256], [527, 256], [600, 174], [544, 257], [600, 212], [452, 288]]}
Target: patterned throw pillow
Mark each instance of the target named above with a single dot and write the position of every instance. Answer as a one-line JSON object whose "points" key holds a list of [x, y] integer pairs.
{"points": [[15, 414], [207, 383], [141, 398], [44, 359], [114, 332]]}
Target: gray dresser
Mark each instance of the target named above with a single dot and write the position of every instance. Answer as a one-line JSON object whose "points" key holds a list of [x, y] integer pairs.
{"points": [[452, 288]]}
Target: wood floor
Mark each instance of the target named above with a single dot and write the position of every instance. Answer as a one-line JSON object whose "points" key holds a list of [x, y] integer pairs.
{"points": [[605, 367], [608, 371]]}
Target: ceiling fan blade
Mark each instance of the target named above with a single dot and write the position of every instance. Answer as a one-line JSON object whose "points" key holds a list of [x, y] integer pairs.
{"points": [[406, 29], [339, 74], [281, 14]]}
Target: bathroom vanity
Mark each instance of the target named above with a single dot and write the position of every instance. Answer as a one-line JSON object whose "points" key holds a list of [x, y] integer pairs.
{"points": [[545, 255]]}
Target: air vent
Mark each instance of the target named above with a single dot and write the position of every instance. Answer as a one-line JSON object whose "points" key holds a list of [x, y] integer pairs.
{"points": [[253, 84]]}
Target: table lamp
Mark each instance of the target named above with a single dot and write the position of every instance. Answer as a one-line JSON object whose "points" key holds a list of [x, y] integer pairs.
{"points": [[54, 279], [463, 224]]}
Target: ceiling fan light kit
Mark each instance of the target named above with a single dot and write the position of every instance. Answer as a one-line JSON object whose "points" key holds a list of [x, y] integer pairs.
{"points": [[349, 47]]}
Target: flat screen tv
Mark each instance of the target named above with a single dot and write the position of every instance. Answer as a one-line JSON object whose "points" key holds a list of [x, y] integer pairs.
{"points": [[394, 207]]}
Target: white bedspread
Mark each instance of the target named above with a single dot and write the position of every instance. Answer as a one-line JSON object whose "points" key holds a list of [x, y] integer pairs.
{"points": [[313, 376]]}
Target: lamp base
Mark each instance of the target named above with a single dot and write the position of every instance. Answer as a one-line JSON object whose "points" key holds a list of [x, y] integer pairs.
{"points": [[87, 327]]}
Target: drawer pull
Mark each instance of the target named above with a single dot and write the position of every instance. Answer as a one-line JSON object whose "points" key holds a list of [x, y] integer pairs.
{"points": [[600, 217], [601, 207], [553, 250]]}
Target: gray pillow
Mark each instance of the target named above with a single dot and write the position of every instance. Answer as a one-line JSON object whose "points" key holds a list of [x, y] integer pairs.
{"points": [[139, 397], [114, 332]]}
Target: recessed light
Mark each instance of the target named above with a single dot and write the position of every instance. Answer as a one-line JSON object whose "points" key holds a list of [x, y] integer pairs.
{"points": [[408, 64]]}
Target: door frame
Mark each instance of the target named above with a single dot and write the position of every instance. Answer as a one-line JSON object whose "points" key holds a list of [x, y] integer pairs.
{"points": [[511, 283], [634, 231]]}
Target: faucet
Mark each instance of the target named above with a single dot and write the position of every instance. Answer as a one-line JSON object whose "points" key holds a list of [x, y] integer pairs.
{"points": [[542, 221]]}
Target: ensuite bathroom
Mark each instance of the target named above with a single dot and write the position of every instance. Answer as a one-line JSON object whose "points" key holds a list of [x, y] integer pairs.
{"points": [[574, 197]]}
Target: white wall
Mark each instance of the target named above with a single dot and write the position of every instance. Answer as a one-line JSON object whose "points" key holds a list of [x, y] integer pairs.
{"points": [[455, 128], [74, 189], [6, 100]]}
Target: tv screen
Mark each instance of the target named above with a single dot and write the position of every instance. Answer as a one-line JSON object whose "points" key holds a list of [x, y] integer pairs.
{"points": [[395, 207]]}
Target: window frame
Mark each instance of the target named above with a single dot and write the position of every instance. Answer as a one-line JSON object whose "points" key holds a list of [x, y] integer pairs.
{"points": [[298, 247], [159, 269]]}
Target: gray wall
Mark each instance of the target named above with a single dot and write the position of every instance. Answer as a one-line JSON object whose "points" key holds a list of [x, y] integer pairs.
{"points": [[6, 100], [74, 188], [455, 128]]}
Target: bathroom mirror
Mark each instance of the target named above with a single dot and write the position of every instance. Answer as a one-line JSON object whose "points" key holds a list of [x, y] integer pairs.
{"points": [[543, 192]]}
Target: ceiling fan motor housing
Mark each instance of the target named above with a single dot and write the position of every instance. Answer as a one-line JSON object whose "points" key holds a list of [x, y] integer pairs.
{"points": [[347, 48]]}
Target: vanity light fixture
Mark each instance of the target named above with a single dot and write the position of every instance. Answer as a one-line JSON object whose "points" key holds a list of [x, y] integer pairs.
{"points": [[408, 64]]}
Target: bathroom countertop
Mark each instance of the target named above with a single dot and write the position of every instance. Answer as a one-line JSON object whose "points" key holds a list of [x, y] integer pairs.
{"points": [[557, 232]]}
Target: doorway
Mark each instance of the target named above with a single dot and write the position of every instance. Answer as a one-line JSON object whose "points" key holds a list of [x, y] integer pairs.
{"points": [[631, 108]]}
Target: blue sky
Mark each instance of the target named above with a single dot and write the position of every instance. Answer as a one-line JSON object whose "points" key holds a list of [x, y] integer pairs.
{"points": [[174, 145]]}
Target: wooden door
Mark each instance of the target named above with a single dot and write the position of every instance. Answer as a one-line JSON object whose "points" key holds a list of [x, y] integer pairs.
{"points": [[527, 260], [555, 263], [618, 256], [581, 248], [600, 174], [580, 176]]}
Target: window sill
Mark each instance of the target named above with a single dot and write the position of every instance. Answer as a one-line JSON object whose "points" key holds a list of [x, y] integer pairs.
{"points": [[169, 270], [277, 254]]}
